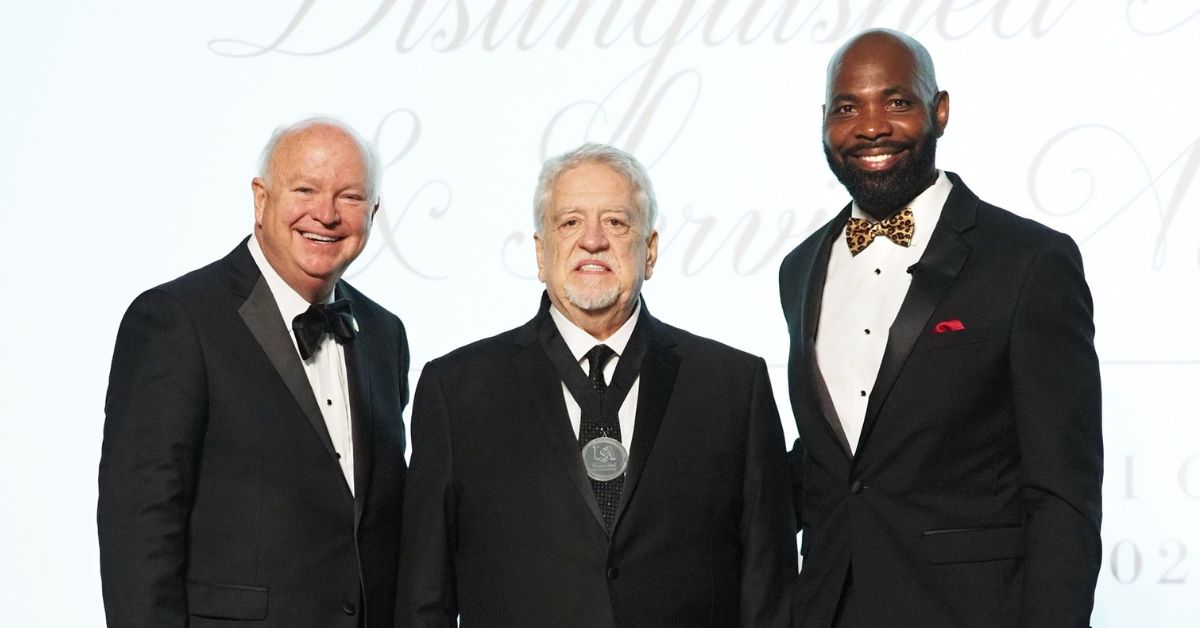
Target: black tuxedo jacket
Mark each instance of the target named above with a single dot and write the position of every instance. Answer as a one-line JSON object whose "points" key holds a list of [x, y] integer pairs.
{"points": [[502, 527], [221, 500], [973, 498]]}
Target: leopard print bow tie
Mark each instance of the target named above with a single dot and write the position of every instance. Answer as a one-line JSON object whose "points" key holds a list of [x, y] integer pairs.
{"points": [[898, 228]]}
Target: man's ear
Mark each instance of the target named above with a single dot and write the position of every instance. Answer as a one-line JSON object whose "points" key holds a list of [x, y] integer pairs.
{"points": [[651, 253], [538, 247], [259, 188], [941, 112]]}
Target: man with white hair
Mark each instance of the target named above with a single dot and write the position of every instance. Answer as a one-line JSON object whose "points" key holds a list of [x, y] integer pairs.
{"points": [[253, 460], [595, 466]]}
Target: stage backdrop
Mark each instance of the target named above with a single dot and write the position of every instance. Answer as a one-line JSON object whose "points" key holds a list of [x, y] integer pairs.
{"points": [[131, 129]]}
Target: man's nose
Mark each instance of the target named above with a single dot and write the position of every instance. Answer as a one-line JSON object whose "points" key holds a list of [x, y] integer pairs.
{"points": [[593, 238], [325, 211], [874, 123]]}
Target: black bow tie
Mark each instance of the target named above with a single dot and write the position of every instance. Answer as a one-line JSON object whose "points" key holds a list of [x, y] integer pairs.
{"points": [[333, 318]]}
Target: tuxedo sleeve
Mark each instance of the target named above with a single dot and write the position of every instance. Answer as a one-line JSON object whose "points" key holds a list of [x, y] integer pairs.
{"points": [[789, 283], [768, 528], [1056, 394], [405, 362], [154, 422], [425, 594]]}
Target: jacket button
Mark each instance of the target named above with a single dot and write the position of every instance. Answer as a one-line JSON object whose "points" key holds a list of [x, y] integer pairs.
{"points": [[856, 487], [349, 608], [612, 573]]}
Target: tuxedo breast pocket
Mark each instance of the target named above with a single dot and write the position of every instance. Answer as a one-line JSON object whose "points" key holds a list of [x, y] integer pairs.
{"points": [[226, 601], [951, 334], [974, 544]]}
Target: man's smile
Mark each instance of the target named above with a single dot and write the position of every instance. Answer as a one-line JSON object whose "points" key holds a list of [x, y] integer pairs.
{"points": [[316, 237], [877, 158], [592, 266]]}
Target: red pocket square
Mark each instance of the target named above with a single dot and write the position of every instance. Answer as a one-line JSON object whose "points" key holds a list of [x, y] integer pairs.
{"points": [[951, 325]]}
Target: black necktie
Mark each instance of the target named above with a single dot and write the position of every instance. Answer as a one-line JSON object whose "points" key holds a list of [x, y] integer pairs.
{"points": [[323, 318], [608, 494], [597, 357]]}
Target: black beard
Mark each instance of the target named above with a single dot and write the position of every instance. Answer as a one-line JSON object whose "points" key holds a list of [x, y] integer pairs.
{"points": [[882, 193]]}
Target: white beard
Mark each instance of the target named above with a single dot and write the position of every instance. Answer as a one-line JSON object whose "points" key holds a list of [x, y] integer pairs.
{"points": [[592, 298]]}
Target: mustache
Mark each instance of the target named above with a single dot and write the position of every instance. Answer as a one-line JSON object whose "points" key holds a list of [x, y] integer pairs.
{"points": [[605, 258]]}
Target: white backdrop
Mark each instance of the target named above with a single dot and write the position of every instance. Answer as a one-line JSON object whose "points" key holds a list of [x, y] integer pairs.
{"points": [[130, 130]]}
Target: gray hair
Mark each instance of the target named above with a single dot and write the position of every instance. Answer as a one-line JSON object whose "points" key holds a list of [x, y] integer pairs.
{"points": [[370, 159], [591, 152]]}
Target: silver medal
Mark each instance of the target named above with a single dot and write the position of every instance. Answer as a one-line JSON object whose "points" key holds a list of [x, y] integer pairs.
{"points": [[604, 458]]}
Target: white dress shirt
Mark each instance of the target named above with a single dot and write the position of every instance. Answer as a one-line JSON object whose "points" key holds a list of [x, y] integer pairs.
{"points": [[862, 296], [579, 342], [326, 368]]}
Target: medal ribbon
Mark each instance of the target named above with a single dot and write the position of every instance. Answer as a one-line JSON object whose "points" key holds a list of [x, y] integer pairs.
{"points": [[599, 413], [602, 410]]}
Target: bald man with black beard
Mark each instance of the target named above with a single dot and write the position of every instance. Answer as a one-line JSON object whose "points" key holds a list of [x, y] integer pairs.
{"points": [[943, 378]]}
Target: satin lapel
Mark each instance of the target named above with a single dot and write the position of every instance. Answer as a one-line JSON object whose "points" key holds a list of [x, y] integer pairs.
{"points": [[262, 316], [361, 420], [544, 391], [932, 277], [655, 384], [812, 276]]}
